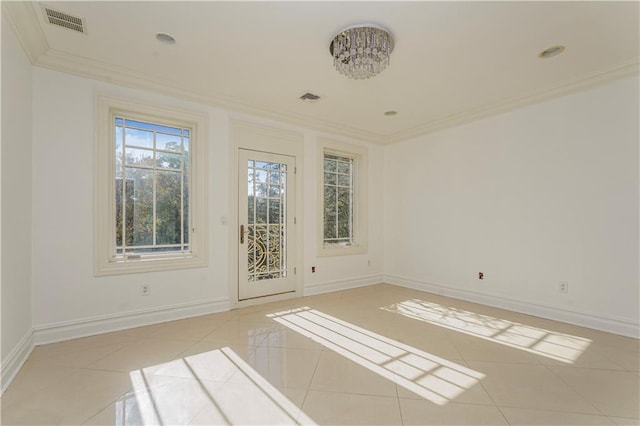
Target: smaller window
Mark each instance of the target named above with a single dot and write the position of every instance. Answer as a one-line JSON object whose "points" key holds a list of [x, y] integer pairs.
{"points": [[338, 200], [343, 196]]}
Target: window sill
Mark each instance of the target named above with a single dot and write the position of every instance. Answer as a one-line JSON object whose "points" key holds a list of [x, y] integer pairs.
{"points": [[326, 251], [137, 266]]}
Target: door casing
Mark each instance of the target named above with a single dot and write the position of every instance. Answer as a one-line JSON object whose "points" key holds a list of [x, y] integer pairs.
{"points": [[256, 137]]}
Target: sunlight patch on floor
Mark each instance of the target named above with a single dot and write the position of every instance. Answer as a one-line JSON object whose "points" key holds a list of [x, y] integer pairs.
{"points": [[558, 346], [433, 378], [215, 387]]}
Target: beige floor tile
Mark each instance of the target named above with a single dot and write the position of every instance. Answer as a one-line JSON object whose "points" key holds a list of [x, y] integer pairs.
{"points": [[476, 349], [524, 416], [367, 365], [284, 367], [144, 353], [328, 408], [236, 332], [72, 401], [530, 386], [78, 358], [589, 358], [245, 402], [474, 394], [33, 377], [420, 412], [627, 359], [614, 393], [336, 373], [123, 412], [283, 337]]}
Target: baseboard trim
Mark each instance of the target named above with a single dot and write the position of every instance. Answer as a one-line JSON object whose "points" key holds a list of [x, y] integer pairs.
{"points": [[337, 285], [614, 325], [50, 333], [16, 359]]}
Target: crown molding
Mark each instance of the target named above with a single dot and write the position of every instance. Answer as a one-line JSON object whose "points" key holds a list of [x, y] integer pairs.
{"points": [[96, 70], [22, 19], [584, 82]]}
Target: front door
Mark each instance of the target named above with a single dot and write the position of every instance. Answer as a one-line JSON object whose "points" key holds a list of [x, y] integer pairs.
{"points": [[266, 209]]}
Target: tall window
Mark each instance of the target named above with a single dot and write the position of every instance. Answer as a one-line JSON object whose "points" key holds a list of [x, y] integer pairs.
{"points": [[343, 199], [151, 199], [152, 187], [338, 200]]}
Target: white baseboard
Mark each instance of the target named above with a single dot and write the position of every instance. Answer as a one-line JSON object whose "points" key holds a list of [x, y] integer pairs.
{"points": [[620, 326], [16, 359], [49, 333], [337, 285]]}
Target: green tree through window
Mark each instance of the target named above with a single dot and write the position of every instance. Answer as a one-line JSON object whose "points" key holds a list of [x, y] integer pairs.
{"points": [[152, 187]]}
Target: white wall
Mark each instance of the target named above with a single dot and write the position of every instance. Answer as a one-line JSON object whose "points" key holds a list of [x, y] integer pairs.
{"points": [[539, 195], [65, 291], [16, 199]]}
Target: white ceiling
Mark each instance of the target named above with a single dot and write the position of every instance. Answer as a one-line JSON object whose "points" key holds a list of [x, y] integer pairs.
{"points": [[453, 61]]}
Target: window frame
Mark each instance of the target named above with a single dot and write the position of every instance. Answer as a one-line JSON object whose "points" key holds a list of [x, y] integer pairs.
{"points": [[106, 262], [359, 198]]}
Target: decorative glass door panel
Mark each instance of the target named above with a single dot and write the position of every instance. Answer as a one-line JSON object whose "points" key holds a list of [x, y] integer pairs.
{"points": [[266, 224]]}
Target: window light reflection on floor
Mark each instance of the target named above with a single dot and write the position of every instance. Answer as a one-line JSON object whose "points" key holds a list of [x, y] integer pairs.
{"points": [[428, 376], [215, 387], [550, 344]]}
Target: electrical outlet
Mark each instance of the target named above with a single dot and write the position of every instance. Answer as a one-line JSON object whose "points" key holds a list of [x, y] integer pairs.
{"points": [[145, 289], [481, 275], [313, 269], [563, 287]]}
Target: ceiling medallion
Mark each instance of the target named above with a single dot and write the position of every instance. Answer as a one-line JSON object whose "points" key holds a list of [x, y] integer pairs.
{"points": [[361, 51]]}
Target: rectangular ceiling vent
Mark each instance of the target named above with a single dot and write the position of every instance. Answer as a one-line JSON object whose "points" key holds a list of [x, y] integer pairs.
{"points": [[64, 20]]}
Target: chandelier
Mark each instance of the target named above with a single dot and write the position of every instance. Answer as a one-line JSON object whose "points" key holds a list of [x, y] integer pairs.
{"points": [[361, 51]]}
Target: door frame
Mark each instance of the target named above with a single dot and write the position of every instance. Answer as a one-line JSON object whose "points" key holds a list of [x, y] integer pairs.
{"points": [[245, 135]]}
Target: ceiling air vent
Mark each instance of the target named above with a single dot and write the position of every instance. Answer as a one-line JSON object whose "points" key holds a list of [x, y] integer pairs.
{"points": [[64, 20], [309, 97]]}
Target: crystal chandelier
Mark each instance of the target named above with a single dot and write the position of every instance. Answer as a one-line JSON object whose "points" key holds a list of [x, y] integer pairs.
{"points": [[361, 51]]}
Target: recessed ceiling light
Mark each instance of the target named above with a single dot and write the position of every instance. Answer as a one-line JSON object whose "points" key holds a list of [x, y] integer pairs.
{"points": [[165, 38], [551, 52], [390, 113]]}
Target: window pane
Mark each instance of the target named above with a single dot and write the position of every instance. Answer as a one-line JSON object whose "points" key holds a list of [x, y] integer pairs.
{"points": [[261, 210], [344, 180], [118, 143], [168, 208], [168, 142], [153, 127], [330, 179], [165, 160], [139, 207], [139, 138], [344, 166], [139, 157], [338, 199], [274, 211], [344, 213], [329, 165]]}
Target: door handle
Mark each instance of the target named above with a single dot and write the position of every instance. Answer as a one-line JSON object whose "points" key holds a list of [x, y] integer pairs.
{"points": [[241, 234]]}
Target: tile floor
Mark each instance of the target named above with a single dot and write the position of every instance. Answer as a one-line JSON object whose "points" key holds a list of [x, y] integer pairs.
{"points": [[373, 355]]}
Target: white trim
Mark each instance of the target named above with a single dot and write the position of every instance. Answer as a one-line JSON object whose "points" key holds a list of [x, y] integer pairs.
{"points": [[257, 137], [345, 284], [66, 330], [360, 157], [27, 27], [12, 364], [622, 326], [104, 233]]}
